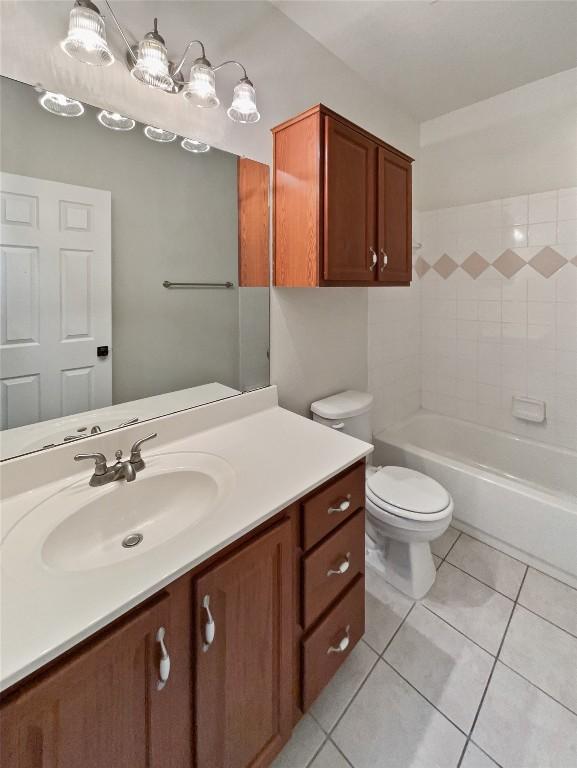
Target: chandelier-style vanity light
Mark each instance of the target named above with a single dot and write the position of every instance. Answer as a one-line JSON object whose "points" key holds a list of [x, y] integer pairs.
{"points": [[149, 63], [114, 121]]}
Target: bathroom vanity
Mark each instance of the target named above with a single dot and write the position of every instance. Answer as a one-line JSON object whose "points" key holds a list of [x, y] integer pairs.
{"points": [[206, 649]]}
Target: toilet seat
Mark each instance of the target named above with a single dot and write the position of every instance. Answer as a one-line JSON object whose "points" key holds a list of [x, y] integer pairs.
{"points": [[407, 494]]}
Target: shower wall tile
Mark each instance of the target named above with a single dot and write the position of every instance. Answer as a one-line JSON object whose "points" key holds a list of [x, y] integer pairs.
{"points": [[503, 322]]}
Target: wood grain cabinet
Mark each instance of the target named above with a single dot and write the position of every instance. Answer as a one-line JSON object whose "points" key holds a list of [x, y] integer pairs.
{"points": [[253, 635], [342, 205]]}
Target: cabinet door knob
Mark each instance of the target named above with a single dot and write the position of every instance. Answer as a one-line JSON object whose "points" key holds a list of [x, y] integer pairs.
{"points": [[209, 627], [164, 666], [373, 255], [342, 567], [385, 259], [343, 644], [342, 507]]}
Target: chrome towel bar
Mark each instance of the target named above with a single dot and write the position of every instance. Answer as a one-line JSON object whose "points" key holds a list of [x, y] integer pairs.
{"points": [[169, 284]]}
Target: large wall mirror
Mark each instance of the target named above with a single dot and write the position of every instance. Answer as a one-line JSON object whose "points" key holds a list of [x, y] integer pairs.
{"points": [[134, 272]]}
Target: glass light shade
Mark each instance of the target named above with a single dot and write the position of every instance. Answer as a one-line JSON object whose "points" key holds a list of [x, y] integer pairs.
{"points": [[115, 122], [151, 66], [86, 39], [60, 105], [200, 90], [159, 134], [243, 108], [194, 145]]}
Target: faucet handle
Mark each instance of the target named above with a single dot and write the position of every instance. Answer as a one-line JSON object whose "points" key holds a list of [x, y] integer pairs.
{"points": [[135, 457], [100, 466]]}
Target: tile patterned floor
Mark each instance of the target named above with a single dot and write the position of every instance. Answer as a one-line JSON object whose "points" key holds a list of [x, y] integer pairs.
{"points": [[481, 673]]}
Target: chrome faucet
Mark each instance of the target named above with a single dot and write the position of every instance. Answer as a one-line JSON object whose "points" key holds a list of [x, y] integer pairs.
{"points": [[126, 469]]}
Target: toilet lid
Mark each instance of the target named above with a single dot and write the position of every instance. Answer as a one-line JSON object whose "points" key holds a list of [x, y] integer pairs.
{"points": [[409, 490]]}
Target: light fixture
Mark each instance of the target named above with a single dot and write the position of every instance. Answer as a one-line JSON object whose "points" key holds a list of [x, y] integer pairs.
{"points": [[159, 134], [115, 122], [149, 63], [243, 108], [194, 145], [60, 105], [86, 39], [200, 89], [151, 67]]}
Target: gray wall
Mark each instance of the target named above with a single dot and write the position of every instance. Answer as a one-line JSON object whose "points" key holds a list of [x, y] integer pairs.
{"points": [[174, 217]]}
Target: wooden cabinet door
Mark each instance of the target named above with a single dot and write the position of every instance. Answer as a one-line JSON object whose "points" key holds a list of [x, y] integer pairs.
{"points": [[394, 218], [99, 708], [244, 683], [349, 204]]}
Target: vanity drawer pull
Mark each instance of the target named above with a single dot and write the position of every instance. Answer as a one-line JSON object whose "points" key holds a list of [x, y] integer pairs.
{"points": [[343, 566], [342, 507], [343, 644], [210, 626], [164, 665]]}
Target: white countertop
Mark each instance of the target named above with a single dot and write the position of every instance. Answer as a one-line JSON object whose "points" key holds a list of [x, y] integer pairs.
{"points": [[276, 456]]}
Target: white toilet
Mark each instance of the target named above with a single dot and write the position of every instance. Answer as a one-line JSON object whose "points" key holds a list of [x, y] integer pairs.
{"points": [[406, 509]]}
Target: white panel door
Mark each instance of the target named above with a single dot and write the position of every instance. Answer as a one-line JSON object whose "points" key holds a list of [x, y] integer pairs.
{"points": [[55, 299]]}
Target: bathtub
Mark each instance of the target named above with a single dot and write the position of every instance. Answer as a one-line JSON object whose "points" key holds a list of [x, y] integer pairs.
{"points": [[512, 492]]}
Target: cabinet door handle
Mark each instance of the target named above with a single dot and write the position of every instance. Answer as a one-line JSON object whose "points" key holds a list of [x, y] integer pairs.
{"points": [[164, 666], [209, 627], [385, 259], [343, 644], [343, 566], [373, 255], [342, 507]]}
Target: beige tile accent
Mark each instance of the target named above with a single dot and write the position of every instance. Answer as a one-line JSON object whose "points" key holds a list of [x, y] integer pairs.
{"points": [[445, 266], [422, 266], [574, 261], [474, 265], [509, 263], [547, 261]]}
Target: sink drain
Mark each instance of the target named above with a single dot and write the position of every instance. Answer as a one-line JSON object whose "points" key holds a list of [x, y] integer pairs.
{"points": [[132, 540]]}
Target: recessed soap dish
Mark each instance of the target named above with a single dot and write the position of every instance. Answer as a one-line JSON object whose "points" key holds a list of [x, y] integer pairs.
{"points": [[528, 409]]}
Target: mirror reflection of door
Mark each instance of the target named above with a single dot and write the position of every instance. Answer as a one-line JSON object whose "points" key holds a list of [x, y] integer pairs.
{"points": [[55, 299]]}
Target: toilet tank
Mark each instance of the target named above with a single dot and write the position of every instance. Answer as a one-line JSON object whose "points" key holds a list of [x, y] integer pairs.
{"points": [[348, 412]]}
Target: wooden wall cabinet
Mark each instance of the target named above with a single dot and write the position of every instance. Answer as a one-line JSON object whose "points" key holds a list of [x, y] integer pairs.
{"points": [[342, 205], [287, 602]]}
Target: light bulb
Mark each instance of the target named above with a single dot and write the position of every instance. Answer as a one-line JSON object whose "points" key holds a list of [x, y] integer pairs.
{"points": [[115, 122], [243, 108], [86, 39], [60, 105], [152, 66], [200, 90], [159, 134], [194, 145]]}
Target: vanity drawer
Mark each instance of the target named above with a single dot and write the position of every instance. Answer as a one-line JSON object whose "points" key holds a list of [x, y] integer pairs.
{"points": [[341, 629], [327, 508], [332, 566]]}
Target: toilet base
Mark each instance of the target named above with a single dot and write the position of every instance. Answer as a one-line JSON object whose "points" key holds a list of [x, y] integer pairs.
{"points": [[408, 566]]}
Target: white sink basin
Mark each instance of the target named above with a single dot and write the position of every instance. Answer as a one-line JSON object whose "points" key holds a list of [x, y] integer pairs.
{"points": [[82, 528]]}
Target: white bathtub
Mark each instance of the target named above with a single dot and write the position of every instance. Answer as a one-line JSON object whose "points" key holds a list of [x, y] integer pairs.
{"points": [[515, 493]]}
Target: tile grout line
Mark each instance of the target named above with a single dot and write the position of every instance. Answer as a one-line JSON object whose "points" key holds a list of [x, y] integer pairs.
{"points": [[534, 685], [484, 583], [495, 549], [459, 631], [345, 758], [475, 719], [544, 618]]}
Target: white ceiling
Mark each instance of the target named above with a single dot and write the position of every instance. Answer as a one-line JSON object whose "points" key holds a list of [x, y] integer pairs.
{"points": [[434, 57]]}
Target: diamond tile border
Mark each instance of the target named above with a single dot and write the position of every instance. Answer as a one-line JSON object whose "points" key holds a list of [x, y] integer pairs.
{"points": [[445, 266], [546, 262], [474, 265]]}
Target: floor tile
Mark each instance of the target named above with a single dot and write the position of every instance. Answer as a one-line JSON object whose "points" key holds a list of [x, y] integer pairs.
{"points": [[475, 758], [551, 599], [544, 654], [390, 724], [335, 698], [306, 739], [385, 609], [521, 727], [494, 568], [449, 670], [329, 757], [469, 606], [442, 545], [437, 560]]}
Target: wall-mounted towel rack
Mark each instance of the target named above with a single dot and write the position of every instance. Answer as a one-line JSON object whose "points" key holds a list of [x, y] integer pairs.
{"points": [[169, 284]]}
